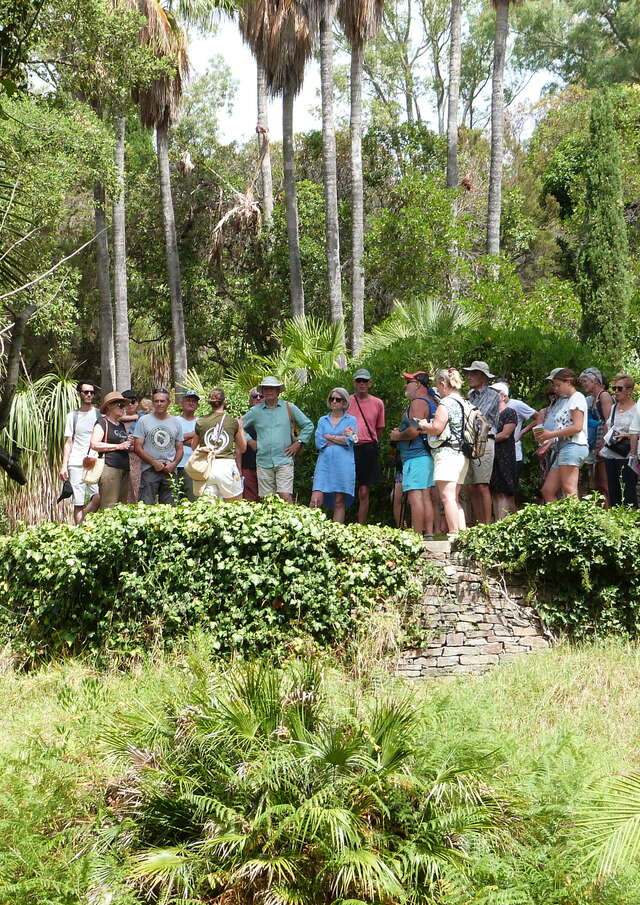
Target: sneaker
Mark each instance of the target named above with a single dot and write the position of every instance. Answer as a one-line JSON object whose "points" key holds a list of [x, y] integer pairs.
{"points": [[427, 537]]}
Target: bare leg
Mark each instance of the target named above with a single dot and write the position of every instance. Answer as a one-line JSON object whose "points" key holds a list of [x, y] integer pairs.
{"points": [[396, 502], [363, 506], [450, 504], [427, 503], [339, 508], [435, 502], [569, 479], [551, 485], [601, 483], [231, 499], [416, 501], [462, 519], [481, 497]]}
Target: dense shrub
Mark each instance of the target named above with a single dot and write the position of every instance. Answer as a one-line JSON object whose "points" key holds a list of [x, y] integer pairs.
{"points": [[581, 558], [257, 785], [251, 575]]}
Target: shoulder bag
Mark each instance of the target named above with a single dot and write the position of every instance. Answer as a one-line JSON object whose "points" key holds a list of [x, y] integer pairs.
{"points": [[372, 434], [93, 466], [619, 445]]}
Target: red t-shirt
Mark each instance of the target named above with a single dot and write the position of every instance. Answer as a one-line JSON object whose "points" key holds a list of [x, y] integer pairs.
{"points": [[373, 410]]}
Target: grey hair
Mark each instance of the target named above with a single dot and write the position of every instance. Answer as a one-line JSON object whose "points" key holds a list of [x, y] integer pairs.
{"points": [[341, 392]]}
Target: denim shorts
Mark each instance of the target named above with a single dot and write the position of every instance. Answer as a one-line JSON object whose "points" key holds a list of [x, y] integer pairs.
{"points": [[570, 454], [417, 473]]}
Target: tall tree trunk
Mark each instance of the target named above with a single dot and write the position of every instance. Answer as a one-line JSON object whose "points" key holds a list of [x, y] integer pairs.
{"points": [[296, 289], [455, 58], [107, 359], [329, 164], [14, 353], [357, 198], [179, 343], [263, 140], [123, 367], [497, 128]]}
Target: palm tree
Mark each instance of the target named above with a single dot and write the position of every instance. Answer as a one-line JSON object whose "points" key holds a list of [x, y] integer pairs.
{"points": [[158, 106], [497, 126], [122, 362], [263, 144], [455, 59], [361, 20], [280, 40], [103, 277], [420, 317]]}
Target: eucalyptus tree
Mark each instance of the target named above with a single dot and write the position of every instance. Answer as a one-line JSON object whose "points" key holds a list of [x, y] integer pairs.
{"points": [[361, 20], [494, 209], [279, 36], [158, 106], [120, 294]]}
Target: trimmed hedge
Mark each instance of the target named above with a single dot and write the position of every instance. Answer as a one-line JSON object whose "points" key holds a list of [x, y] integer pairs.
{"points": [[253, 576], [581, 559]]}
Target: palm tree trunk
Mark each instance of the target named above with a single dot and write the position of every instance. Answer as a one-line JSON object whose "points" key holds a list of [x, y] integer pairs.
{"points": [[291, 196], [329, 164], [263, 139], [497, 128], [107, 359], [179, 343], [357, 198], [123, 367], [455, 57]]}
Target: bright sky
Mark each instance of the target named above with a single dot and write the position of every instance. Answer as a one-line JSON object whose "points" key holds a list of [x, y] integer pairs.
{"points": [[242, 122], [240, 125]]}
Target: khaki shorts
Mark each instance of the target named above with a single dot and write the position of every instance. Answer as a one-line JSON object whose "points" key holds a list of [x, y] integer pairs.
{"points": [[275, 480], [223, 481], [480, 469], [451, 467]]}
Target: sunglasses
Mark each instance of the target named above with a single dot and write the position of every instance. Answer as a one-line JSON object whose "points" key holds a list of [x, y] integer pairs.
{"points": [[336, 399], [620, 389], [255, 396], [88, 392]]}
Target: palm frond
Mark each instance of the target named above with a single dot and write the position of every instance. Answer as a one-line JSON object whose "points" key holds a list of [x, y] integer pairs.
{"points": [[366, 872], [419, 317], [612, 824]]}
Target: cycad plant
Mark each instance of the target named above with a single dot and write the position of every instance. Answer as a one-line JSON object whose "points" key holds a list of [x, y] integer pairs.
{"points": [[420, 317], [261, 786], [611, 821]]}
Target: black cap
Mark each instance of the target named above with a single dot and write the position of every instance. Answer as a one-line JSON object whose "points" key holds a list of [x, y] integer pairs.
{"points": [[190, 394], [66, 492], [129, 394]]}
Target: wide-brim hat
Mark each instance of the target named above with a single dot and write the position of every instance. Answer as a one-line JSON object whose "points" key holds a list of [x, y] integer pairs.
{"points": [[111, 398], [271, 382], [481, 366], [66, 492]]}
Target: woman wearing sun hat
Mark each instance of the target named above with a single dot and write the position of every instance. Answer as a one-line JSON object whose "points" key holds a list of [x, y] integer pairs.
{"points": [[111, 440]]}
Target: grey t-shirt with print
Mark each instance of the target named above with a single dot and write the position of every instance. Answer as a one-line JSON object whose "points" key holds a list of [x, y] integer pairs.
{"points": [[159, 436]]}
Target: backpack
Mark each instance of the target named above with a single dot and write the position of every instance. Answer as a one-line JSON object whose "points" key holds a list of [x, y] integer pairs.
{"points": [[475, 431], [432, 406]]}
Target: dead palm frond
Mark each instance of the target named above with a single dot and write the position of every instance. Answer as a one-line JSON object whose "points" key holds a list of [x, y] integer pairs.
{"points": [[159, 102]]}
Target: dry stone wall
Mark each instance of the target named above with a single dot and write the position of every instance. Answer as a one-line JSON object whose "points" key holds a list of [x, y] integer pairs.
{"points": [[472, 621]]}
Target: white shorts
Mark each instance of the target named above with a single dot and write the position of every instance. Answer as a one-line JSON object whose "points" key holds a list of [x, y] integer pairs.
{"points": [[450, 466], [275, 480], [80, 489], [224, 480]]}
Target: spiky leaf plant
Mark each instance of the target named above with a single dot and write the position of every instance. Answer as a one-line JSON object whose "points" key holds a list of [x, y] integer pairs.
{"points": [[419, 317], [261, 786]]}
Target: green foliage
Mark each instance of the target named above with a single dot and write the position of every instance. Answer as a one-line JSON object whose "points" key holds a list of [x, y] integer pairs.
{"points": [[610, 817], [255, 784], [254, 576], [603, 265], [579, 557]]}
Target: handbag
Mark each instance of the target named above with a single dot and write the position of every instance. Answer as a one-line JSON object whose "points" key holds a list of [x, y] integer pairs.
{"points": [[93, 466], [199, 463], [619, 445]]}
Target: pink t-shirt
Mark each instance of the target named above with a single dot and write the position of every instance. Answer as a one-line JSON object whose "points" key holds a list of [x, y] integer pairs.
{"points": [[373, 409]]}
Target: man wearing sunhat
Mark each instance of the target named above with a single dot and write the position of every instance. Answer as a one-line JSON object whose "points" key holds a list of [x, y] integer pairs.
{"points": [[281, 430], [368, 411], [485, 398]]}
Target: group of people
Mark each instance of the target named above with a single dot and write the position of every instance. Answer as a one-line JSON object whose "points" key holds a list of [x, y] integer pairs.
{"points": [[152, 456]]}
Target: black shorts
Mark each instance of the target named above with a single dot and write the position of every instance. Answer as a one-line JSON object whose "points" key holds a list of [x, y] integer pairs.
{"points": [[367, 464]]}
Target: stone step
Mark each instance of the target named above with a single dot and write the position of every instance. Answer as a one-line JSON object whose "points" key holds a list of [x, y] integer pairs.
{"points": [[437, 547]]}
